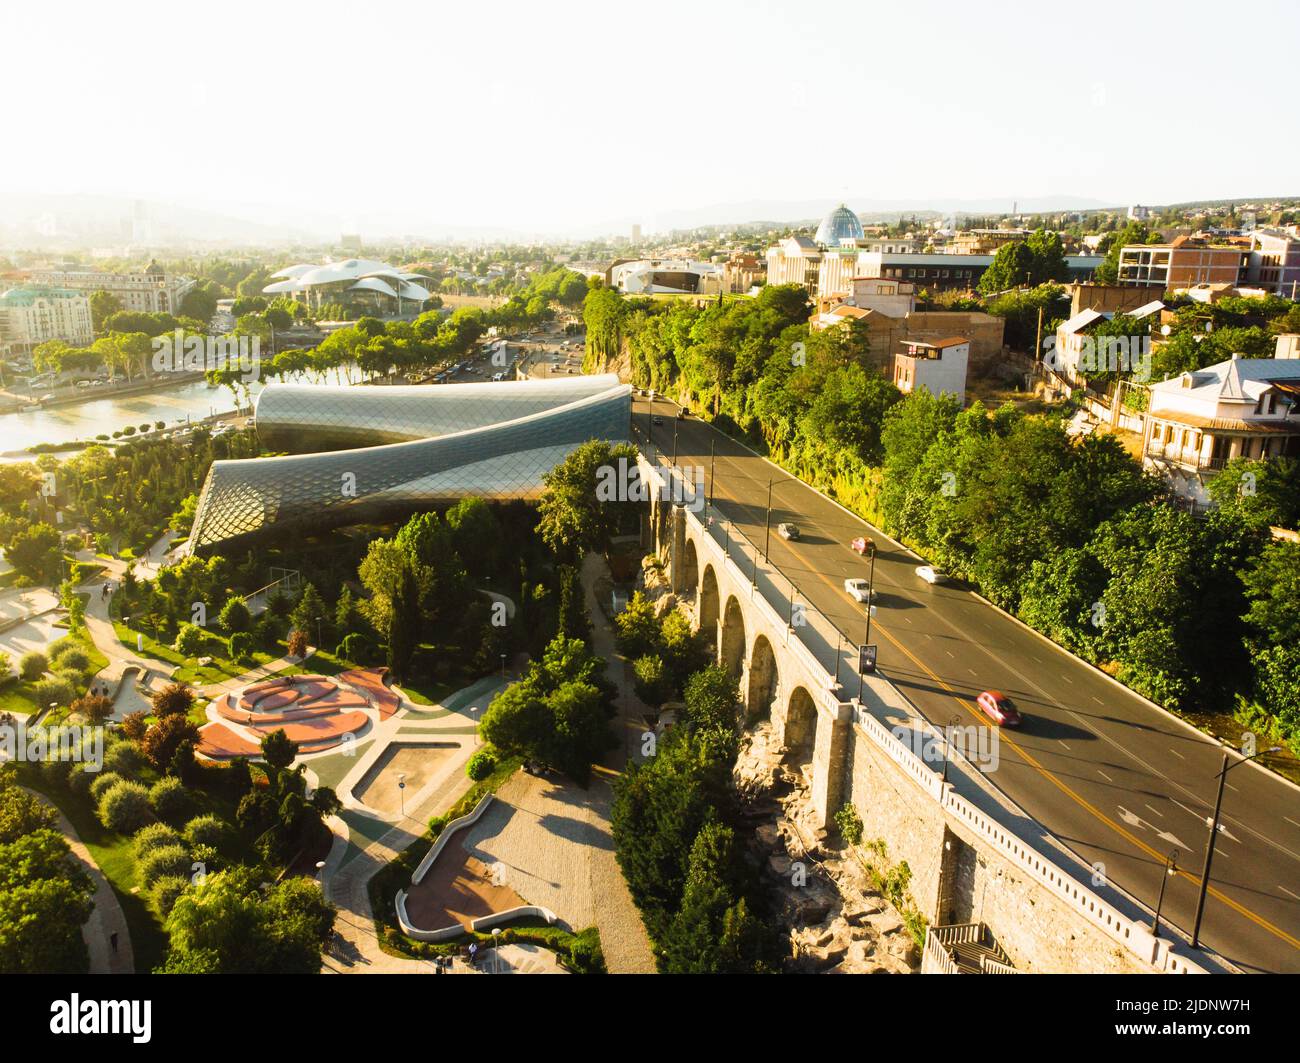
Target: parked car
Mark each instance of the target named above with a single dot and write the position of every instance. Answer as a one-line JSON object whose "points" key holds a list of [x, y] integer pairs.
{"points": [[788, 531], [858, 589], [998, 708], [931, 574], [860, 545]]}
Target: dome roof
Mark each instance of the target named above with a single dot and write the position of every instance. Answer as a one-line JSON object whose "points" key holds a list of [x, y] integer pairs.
{"points": [[839, 224]]}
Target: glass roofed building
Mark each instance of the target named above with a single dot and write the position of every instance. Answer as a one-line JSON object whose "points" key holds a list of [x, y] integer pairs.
{"points": [[493, 441], [839, 224], [304, 417], [357, 283]]}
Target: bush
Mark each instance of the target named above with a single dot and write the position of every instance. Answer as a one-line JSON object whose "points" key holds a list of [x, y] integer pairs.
{"points": [[165, 892], [57, 771], [175, 699], [135, 724], [170, 800], [94, 707], [355, 647], [651, 681], [481, 764], [102, 783], [31, 666], [125, 808], [154, 836], [81, 780], [167, 860], [209, 830], [190, 640], [240, 646], [56, 689], [235, 617], [123, 758], [71, 657], [849, 823]]}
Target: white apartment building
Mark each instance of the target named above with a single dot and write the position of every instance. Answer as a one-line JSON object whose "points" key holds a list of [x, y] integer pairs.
{"points": [[1245, 407], [31, 316], [150, 291]]}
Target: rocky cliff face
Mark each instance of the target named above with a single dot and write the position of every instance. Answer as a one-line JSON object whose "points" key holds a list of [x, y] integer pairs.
{"points": [[834, 922]]}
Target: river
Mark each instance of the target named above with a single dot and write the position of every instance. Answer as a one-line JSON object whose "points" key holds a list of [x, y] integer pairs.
{"points": [[85, 420]]}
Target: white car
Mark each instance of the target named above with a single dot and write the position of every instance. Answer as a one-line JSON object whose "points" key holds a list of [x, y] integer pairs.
{"points": [[857, 589], [931, 574]]}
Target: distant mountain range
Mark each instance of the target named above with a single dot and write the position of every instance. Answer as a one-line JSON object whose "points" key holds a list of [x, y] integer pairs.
{"points": [[76, 221]]}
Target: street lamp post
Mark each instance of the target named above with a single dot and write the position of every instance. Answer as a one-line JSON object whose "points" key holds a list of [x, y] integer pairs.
{"points": [[871, 594], [1171, 869], [712, 456], [401, 790], [947, 745], [1209, 844], [318, 637], [503, 666]]}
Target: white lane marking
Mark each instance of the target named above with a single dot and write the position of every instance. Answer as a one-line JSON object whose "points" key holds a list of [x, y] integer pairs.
{"points": [[1291, 821], [1068, 679], [1062, 741], [1104, 775], [951, 654], [1156, 811], [1289, 893], [1098, 700], [1177, 754]]}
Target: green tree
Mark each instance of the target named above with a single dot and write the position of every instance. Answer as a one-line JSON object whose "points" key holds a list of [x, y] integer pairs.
{"points": [[714, 931]]}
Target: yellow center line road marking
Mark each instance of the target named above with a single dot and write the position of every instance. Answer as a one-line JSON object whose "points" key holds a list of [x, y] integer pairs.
{"points": [[1276, 931]]}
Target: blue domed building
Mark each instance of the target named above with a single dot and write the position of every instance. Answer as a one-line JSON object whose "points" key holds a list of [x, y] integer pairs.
{"points": [[839, 224]]}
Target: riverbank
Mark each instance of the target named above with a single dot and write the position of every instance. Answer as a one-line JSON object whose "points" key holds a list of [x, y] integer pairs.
{"points": [[14, 402]]}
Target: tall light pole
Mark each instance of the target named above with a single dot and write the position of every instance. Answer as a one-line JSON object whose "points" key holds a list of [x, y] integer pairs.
{"points": [[947, 745], [1214, 832], [401, 790], [866, 638], [712, 456], [1171, 869]]}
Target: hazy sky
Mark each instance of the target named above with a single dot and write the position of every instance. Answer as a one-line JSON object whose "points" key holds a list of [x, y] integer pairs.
{"points": [[543, 116]]}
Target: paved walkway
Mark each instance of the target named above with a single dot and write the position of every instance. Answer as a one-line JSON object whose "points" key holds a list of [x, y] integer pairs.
{"points": [[107, 917], [623, 938], [351, 865]]}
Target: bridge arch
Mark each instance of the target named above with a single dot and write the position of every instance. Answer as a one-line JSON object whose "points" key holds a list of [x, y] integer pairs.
{"points": [[709, 606], [690, 567], [732, 656], [800, 728], [763, 680]]}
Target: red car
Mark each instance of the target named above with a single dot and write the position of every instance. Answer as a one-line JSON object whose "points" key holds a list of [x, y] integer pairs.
{"points": [[998, 708], [861, 545]]}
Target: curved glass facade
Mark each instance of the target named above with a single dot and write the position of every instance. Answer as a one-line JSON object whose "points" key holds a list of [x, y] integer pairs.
{"points": [[503, 459], [304, 417], [839, 224]]}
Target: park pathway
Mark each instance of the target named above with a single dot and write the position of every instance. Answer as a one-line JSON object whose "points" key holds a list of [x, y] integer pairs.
{"points": [[107, 917], [623, 937]]}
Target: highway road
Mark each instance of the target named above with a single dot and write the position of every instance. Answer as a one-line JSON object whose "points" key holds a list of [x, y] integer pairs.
{"points": [[1117, 781]]}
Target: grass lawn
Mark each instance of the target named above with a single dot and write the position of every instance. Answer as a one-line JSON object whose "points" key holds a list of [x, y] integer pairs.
{"points": [[16, 695], [186, 669]]}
